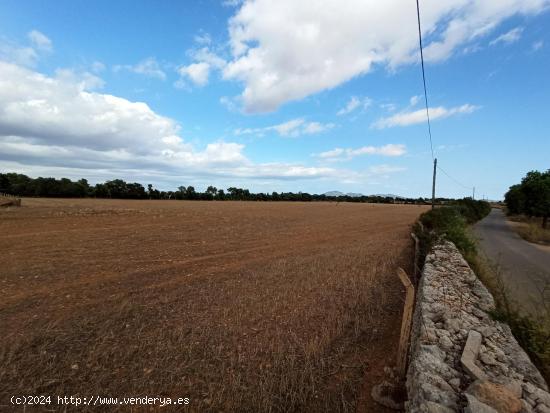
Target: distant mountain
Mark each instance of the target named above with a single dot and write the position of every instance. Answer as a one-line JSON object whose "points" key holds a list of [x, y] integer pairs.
{"points": [[334, 193], [338, 193]]}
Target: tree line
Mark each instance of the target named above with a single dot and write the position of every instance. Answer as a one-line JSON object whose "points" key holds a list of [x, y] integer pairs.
{"points": [[22, 185], [531, 197]]}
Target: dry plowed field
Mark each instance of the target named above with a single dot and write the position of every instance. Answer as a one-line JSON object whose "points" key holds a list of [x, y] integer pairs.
{"points": [[239, 306]]}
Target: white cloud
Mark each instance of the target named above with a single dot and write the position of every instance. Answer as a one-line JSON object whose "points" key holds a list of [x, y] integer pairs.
{"points": [[473, 48], [232, 3], [341, 154], [292, 128], [97, 67], [389, 107], [28, 55], [148, 67], [203, 38], [228, 103], [537, 45], [280, 65], [414, 100], [199, 72], [207, 56], [11, 52], [196, 72], [312, 128], [509, 37], [419, 116], [385, 170], [61, 109], [353, 104], [40, 41], [84, 81], [57, 126]]}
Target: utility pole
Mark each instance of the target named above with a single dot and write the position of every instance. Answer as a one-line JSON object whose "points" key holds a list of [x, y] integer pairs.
{"points": [[433, 184], [474, 193]]}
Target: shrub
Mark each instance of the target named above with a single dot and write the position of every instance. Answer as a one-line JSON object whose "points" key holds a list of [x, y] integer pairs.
{"points": [[447, 222]]}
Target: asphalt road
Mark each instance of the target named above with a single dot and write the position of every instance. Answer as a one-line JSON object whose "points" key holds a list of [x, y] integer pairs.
{"points": [[524, 267]]}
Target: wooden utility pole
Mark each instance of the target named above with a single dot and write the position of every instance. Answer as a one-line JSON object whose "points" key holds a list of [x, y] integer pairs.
{"points": [[433, 184]]}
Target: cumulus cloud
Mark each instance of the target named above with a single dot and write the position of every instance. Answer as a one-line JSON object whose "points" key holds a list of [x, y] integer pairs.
{"points": [[199, 72], [62, 110], [509, 37], [277, 66], [292, 128], [353, 104], [58, 125], [206, 55], [419, 116], [343, 154], [196, 72]]}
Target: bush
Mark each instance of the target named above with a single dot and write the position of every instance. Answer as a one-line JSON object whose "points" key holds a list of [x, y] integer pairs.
{"points": [[472, 210], [449, 223]]}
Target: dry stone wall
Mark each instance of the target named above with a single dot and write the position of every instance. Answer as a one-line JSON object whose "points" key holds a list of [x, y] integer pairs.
{"points": [[461, 360]]}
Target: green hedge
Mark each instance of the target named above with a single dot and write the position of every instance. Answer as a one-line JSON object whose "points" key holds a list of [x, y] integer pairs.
{"points": [[451, 222]]}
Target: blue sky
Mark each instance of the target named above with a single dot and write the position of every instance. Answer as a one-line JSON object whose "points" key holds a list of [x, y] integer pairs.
{"points": [[276, 96]]}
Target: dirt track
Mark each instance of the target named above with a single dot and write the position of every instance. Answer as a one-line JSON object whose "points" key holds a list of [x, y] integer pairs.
{"points": [[216, 301]]}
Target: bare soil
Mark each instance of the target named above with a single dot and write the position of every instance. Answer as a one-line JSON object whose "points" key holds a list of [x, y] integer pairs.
{"points": [[239, 306]]}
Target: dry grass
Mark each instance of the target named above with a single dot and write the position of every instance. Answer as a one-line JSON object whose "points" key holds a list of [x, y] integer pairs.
{"points": [[530, 229], [238, 306]]}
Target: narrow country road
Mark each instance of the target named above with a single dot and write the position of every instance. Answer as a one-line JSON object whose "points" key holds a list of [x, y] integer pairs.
{"points": [[524, 267]]}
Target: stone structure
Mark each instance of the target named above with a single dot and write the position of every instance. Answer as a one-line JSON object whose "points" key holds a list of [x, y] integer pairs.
{"points": [[461, 359]]}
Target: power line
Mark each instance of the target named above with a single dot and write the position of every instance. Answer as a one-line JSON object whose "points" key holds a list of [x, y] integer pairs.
{"points": [[424, 78], [428, 113], [454, 179]]}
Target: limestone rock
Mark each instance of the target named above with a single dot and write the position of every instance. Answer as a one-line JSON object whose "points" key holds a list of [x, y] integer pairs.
{"points": [[541, 408], [475, 406], [488, 359], [432, 407], [542, 397]]}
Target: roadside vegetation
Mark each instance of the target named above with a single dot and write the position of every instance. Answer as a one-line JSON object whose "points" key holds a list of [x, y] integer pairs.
{"points": [[532, 331], [531, 197], [530, 229], [452, 223]]}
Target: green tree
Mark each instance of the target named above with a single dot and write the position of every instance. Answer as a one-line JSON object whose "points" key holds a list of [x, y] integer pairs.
{"points": [[515, 199], [190, 193], [532, 196]]}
